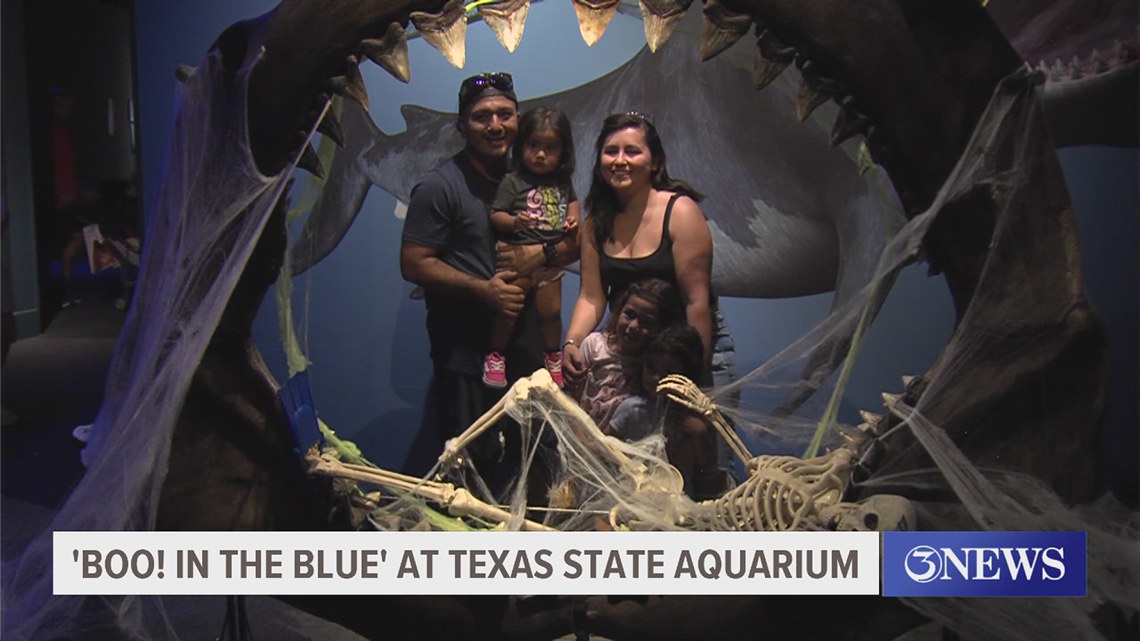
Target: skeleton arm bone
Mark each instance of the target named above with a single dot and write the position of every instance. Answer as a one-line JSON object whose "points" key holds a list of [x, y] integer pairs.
{"points": [[539, 382], [453, 446], [458, 501], [682, 391]]}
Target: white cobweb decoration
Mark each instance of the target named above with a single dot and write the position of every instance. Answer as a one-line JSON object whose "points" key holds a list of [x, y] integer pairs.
{"points": [[210, 214]]}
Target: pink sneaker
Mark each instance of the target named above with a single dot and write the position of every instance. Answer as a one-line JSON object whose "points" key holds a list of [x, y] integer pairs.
{"points": [[553, 363], [495, 370]]}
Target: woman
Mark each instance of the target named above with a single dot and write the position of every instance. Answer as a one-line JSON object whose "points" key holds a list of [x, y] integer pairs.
{"points": [[642, 224]]}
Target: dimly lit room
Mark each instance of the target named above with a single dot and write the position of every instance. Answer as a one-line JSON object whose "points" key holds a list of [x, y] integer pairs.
{"points": [[248, 286]]}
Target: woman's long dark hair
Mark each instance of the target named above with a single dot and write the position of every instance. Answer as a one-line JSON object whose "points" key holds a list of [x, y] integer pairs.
{"points": [[601, 202], [538, 118]]}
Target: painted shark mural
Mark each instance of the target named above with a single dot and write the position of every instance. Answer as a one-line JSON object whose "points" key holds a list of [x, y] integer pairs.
{"points": [[776, 232], [814, 220], [946, 108], [811, 222]]}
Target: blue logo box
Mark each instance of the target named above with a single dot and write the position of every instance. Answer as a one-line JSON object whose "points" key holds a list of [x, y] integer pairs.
{"points": [[973, 564]]}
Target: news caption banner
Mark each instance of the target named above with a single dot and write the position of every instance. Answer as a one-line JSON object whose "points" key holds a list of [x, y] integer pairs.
{"points": [[981, 564], [530, 563]]}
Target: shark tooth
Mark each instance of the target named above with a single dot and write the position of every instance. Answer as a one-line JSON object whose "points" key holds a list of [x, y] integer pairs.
{"points": [[1124, 54], [1075, 68], [184, 72], [1099, 64], [446, 31], [1057, 73], [848, 123], [907, 380], [764, 71], [351, 84], [871, 418], [772, 57], [506, 18], [660, 16], [721, 28], [330, 126], [311, 162], [810, 97], [593, 18], [390, 52], [890, 400]]}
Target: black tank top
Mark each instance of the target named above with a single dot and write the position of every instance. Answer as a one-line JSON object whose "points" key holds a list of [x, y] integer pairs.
{"points": [[620, 273]]}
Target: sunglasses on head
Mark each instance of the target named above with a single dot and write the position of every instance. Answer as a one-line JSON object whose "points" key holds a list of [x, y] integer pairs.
{"points": [[477, 83]]}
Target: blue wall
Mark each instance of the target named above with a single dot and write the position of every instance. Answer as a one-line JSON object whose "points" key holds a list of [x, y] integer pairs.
{"points": [[365, 336]]}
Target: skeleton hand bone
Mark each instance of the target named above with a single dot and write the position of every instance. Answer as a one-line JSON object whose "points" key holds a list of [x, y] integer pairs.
{"points": [[682, 391], [685, 393]]}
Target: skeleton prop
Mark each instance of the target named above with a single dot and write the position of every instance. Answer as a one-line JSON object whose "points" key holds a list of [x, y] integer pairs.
{"points": [[781, 493], [785, 492]]}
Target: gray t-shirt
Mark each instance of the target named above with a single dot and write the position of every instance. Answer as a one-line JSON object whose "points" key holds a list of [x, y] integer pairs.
{"points": [[546, 199]]}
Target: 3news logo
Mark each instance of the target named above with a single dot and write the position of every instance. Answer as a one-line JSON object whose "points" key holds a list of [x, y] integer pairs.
{"points": [[984, 564]]}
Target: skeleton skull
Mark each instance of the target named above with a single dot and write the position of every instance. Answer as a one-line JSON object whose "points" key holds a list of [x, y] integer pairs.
{"points": [[879, 513]]}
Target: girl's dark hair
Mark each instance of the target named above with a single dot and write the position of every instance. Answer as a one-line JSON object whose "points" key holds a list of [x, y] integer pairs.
{"points": [[533, 120], [670, 307], [601, 202], [683, 342]]}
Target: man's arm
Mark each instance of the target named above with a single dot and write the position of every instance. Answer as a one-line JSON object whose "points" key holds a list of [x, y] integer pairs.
{"points": [[421, 265], [525, 259]]}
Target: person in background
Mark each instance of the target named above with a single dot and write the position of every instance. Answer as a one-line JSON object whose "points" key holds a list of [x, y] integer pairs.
{"points": [[536, 205], [69, 210]]}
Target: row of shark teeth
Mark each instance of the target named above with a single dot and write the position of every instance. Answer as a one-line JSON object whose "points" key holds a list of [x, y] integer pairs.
{"points": [[875, 425], [722, 27], [1096, 63], [390, 53]]}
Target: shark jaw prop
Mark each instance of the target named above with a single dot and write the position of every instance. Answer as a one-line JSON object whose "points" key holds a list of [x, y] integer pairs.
{"points": [[1019, 388]]}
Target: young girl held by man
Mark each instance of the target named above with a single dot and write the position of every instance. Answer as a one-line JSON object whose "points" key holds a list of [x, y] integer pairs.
{"points": [[536, 205]]}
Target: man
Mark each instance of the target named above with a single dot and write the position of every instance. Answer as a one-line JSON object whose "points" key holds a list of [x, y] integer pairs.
{"points": [[449, 250]]}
